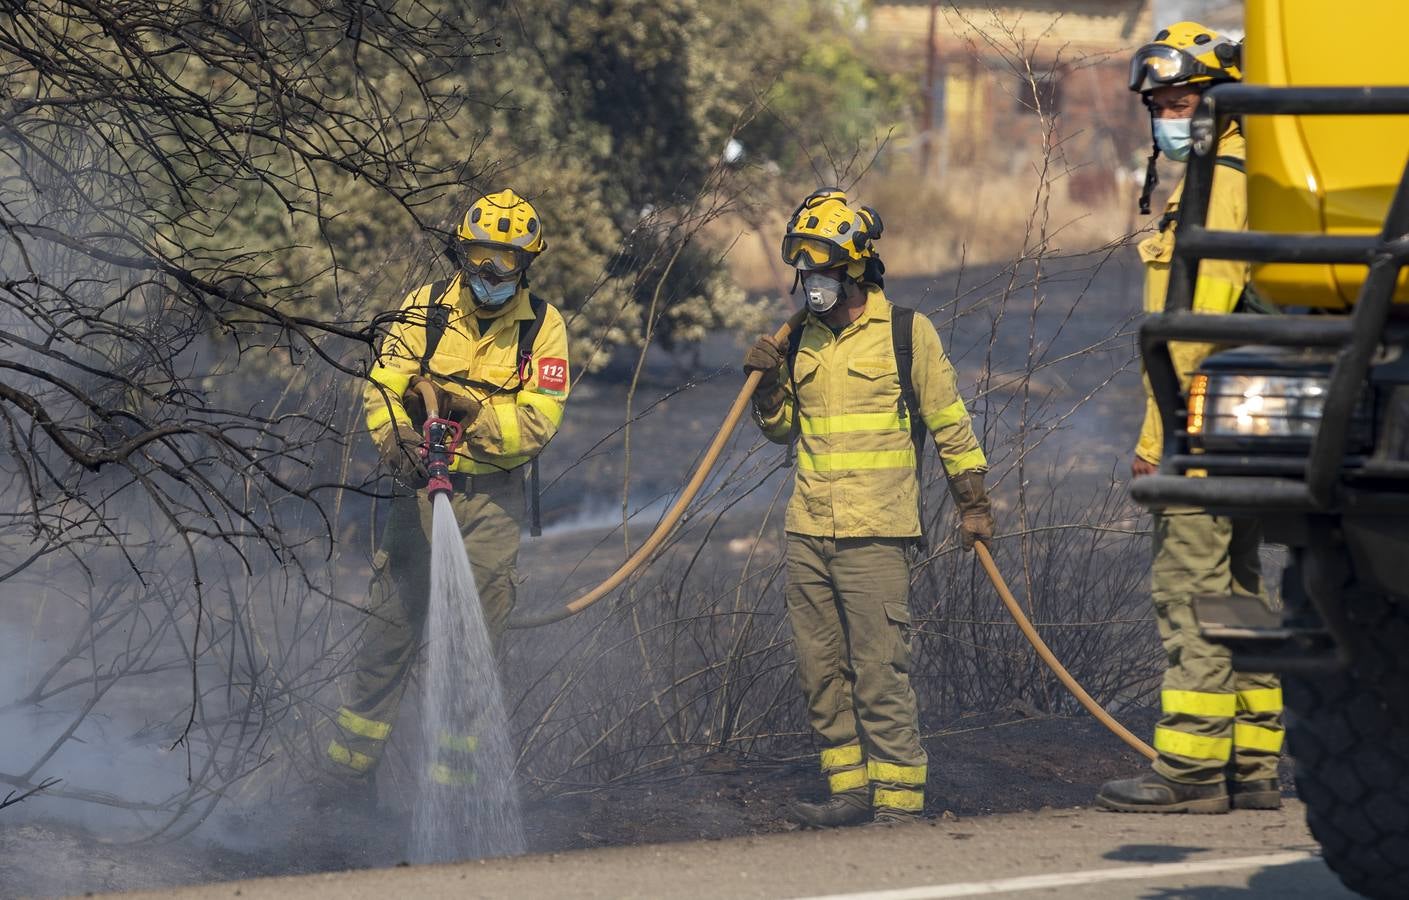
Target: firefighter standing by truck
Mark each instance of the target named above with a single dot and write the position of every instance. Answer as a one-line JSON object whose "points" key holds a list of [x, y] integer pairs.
{"points": [[859, 385], [496, 358], [1220, 734]]}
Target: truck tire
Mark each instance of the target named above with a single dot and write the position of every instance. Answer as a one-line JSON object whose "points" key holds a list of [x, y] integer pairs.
{"points": [[1348, 732]]}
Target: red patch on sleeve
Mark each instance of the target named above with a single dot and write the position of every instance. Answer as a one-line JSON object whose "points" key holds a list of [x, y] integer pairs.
{"points": [[553, 374]]}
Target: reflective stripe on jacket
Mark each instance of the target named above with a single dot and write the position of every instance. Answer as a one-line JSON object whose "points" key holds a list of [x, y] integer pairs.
{"points": [[1220, 283], [855, 461], [514, 424]]}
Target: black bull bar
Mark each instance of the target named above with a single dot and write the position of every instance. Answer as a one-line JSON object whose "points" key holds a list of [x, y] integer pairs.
{"points": [[1317, 487]]}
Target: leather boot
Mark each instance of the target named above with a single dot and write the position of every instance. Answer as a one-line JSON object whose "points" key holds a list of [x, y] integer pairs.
{"points": [[887, 816], [1153, 793], [845, 808], [1263, 793]]}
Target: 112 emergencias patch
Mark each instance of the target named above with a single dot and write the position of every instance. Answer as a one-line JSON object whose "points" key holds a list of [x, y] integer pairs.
{"points": [[552, 375]]}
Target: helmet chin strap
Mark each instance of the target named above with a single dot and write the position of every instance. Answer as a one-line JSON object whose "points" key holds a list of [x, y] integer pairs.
{"points": [[1151, 165], [1151, 180]]}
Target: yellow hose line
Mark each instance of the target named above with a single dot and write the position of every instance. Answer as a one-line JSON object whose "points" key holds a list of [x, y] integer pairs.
{"points": [[427, 393], [677, 510], [1050, 658], [692, 488]]}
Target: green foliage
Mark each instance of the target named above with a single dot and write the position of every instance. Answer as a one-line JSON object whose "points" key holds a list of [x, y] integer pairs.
{"points": [[611, 116], [831, 100]]}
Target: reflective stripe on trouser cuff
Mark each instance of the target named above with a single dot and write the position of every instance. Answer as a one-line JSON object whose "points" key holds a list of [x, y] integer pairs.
{"points": [[466, 744], [1194, 746], [1261, 700], [1255, 737], [911, 801], [1199, 703], [352, 723], [443, 774], [357, 762], [896, 774], [849, 780], [974, 459], [841, 757]]}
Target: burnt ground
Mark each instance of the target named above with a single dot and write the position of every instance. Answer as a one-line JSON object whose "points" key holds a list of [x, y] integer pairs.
{"points": [[987, 763], [978, 767]]}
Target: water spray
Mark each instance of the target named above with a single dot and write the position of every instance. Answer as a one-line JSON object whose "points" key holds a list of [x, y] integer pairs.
{"points": [[467, 806]]}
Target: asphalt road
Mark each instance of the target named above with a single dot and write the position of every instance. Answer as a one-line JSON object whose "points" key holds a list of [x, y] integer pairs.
{"points": [[1052, 853]]}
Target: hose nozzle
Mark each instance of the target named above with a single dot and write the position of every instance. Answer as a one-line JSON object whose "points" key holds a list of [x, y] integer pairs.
{"points": [[442, 436]]}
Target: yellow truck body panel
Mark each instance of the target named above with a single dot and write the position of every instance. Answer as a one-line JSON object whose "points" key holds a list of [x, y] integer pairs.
{"points": [[1327, 174]]}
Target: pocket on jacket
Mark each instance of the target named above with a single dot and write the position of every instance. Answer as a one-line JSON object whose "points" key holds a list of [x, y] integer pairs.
{"points": [[492, 373], [871, 367], [805, 367]]}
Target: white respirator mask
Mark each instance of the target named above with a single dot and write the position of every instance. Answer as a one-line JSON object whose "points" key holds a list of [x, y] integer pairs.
{"points": [[822, 292]]}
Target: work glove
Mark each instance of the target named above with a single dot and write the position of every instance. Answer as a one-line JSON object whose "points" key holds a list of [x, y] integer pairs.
{"points": [[975, 512], [766, 356], [400, 448], [456, 407]]}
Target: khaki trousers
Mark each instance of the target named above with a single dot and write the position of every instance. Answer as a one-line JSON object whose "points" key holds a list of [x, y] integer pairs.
{"points": [[490, 514], [848, 602], [1215, 720]]}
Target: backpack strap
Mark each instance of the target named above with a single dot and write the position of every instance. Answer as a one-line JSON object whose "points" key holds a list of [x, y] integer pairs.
{"points": [[437, 321], [1231, 162], [528, 335], [794, 345], [902, 337]]}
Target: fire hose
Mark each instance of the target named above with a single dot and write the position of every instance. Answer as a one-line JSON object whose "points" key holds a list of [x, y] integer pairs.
{"points": [[692, 488]]}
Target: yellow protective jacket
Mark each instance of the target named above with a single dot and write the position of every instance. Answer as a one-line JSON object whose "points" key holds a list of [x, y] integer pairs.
{"points": [[1220, 283], [515, 423], [855, 461]]}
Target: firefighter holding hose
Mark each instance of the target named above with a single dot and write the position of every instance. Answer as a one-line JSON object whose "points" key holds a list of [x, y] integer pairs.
{"points": [[495, 358], [1220, 733], [859, 386]]}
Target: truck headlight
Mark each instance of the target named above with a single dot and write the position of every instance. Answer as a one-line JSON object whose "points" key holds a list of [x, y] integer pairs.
{"points": [[1255, 406], [1267, 413]]}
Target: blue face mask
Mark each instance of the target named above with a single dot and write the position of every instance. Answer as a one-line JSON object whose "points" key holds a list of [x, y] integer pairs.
{"points": [[492, 294], [1172, 137]]}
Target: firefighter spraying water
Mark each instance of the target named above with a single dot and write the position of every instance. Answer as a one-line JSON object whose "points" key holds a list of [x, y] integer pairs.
{"points": [[469, 385], [467, 805]]}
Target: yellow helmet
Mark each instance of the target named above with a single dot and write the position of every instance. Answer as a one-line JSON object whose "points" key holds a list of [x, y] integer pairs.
{"points": [[826, 233], [500, 235], [1185, 53]]}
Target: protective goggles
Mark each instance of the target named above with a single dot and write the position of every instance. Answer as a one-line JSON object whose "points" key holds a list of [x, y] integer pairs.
{"points": [[802, 251], [489, 258], [1159, 65]]}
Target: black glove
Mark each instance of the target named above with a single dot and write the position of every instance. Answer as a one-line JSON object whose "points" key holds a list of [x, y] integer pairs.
{"points": [[460, 408], [975, 511], [766, 356]]}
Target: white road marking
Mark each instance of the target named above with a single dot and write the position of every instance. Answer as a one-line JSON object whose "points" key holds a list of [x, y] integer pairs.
{"points": [[1065, 879]]}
